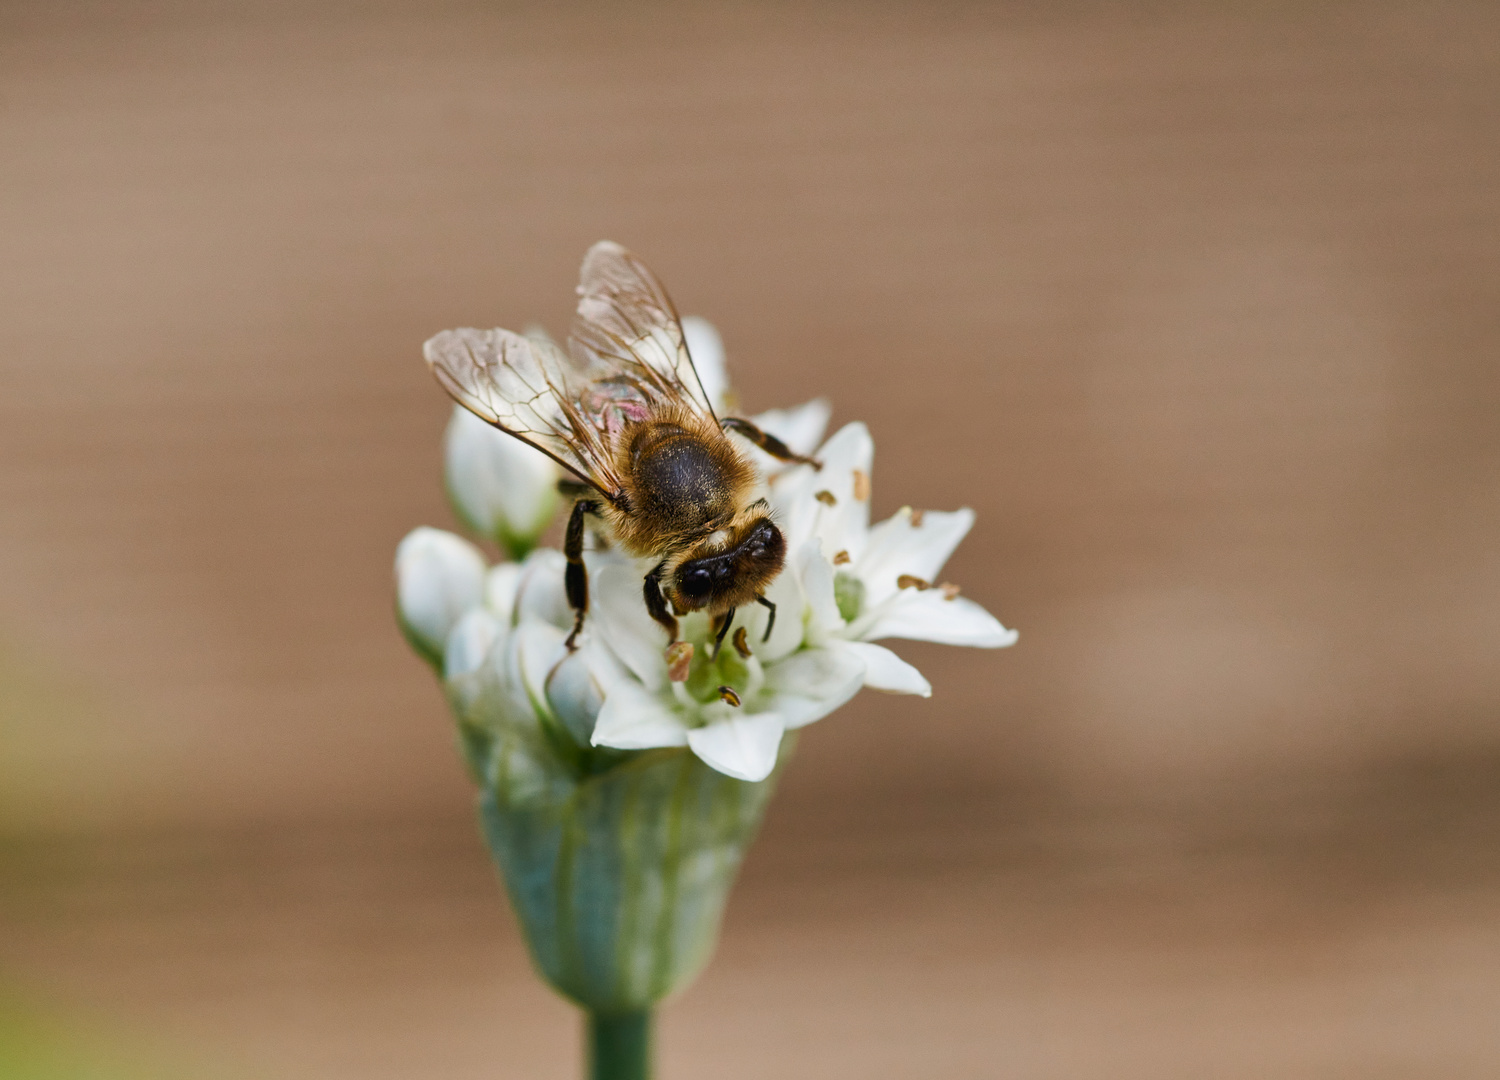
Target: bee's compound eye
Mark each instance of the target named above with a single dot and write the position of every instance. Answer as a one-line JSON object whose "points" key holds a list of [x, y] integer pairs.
{"points": [[695, 581]]}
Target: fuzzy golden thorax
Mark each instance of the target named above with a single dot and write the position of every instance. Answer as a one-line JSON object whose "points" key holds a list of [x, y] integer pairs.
{"points": [[683, 480]]}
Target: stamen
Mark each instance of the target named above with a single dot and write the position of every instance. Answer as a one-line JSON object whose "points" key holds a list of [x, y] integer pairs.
{"points": [[950, 590], [916, 518], [841, 558], [861, 485], [909, 581], [726, 693], [679, 659], [826, 498], [742, 643]]}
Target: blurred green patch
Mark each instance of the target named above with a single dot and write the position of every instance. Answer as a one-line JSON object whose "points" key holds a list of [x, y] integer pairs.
{"points": [[35, 1045]]}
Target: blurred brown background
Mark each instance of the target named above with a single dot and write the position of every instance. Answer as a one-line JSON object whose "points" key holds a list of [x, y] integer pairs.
{"points": [[1197, 305]]}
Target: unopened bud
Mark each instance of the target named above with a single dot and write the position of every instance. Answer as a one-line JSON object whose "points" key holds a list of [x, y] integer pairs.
{"points": [[499, 486], [439, 577]]}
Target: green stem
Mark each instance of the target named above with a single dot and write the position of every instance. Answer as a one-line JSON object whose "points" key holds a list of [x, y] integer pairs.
{"points": [[620, 1046]]}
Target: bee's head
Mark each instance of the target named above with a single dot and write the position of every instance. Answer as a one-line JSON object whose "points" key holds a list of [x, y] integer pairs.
{"points": [[735, 575]]}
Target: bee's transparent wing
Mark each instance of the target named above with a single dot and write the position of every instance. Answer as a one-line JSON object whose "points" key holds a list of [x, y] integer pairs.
{"points": [[529, 389], [626, 324]]}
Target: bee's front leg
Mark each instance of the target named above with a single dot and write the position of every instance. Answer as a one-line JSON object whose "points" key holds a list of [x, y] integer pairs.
{"points": [[576, 578], [771, 622], [725, 621], [656, 603], [678, 654]]}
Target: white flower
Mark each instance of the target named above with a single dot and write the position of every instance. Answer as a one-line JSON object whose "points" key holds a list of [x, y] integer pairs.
{"points": [[884, 578], [846, 584], [500, 635], [439, 577], [500, 487]]}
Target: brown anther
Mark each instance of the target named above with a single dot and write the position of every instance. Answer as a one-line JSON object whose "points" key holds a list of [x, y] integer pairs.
{"points": [[861, 485], [916, 518], [826, 498], [742, 643], [909, 581], [726, 693], [841, 558], [950, 590], [679, 660]]}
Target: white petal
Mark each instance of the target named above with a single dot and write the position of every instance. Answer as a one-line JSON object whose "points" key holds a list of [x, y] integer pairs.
{"points": [[472, 641], [809, 685], [500, 587], [841, 525], [499, 486], [575, 694], [897, 547], [540, 593], [786, 592], [538, 649], [800, 427], [706, 348], [439, 576], [846, 457], [816, 573], [633, 718], [929, 616], [617, 616], [743, 747], [887, 672]]}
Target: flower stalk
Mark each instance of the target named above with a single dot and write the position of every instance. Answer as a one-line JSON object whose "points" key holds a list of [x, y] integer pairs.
{"points": [[620, 1045]]}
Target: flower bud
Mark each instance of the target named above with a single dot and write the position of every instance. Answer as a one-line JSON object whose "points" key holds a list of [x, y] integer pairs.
{"points": [[439, 577], [499, 486]]}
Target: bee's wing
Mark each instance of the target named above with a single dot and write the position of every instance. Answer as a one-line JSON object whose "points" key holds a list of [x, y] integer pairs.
{"points": [[527, 388], [626, 324]]}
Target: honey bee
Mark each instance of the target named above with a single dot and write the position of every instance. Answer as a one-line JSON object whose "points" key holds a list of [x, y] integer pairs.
{"points": [[626, 414]]}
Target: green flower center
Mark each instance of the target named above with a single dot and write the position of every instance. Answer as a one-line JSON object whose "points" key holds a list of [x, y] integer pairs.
{"points": [[849, 594], [708, 674]]}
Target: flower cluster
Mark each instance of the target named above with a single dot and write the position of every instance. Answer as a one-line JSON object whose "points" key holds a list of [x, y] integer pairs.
{"points": [[496, 634]]}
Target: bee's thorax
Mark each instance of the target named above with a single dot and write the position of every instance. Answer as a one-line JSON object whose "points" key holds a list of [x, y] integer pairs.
{"points": [[683, 480]]}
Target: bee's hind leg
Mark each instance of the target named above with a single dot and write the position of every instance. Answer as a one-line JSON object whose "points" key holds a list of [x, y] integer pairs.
{"points": [[763, 602], [767, 442], [576, 578]]}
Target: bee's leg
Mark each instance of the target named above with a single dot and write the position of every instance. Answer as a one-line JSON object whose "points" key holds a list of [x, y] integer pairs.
{"points": [[769, 443], [573, 489], [728, 620], [656, 604], [763, 602], [576, 578]]}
